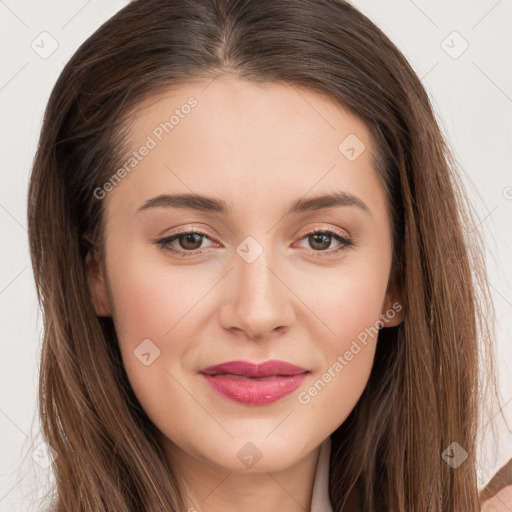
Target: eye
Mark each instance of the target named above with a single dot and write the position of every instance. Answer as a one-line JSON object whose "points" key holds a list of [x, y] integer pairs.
{"points": [[190, 242], [320, 240]]}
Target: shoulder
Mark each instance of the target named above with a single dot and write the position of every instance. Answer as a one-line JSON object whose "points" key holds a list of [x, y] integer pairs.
{"points": [[499, 502], [496, 496]]}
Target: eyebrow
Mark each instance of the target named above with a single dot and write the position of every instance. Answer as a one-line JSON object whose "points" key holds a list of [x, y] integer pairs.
{"points": [[218, 206]]}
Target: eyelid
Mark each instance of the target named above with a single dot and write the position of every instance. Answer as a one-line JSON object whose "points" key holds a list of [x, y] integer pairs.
{"points": [[323, 228]]}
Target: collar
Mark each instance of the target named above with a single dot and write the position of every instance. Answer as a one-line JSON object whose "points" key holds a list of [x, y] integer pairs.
{"points": [[320, 500]]}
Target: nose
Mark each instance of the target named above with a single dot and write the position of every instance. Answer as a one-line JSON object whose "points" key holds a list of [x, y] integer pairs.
{"points": [[258, 298]]}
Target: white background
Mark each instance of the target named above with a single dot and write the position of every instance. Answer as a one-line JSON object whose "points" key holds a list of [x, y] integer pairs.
{"points": [[472, 96]]}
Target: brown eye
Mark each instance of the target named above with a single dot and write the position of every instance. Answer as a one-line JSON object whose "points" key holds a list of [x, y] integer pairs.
{"points": [[320, 241], [190, 241]]}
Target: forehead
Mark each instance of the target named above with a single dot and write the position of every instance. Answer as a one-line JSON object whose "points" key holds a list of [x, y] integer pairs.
{"points": [[238, 139], [255, 110]]}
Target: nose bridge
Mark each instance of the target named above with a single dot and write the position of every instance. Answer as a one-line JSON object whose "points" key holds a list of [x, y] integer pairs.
{"points": [[259, 298]]}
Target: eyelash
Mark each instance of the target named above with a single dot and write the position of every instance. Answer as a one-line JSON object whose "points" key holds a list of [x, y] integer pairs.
{"points": [[166, 247]]}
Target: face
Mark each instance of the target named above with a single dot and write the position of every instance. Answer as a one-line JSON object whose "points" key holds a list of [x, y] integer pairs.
{"points": [[261, 270]]}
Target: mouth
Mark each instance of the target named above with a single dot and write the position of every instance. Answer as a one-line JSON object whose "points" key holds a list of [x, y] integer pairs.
{"points": [[270, 368], [253, 384]]}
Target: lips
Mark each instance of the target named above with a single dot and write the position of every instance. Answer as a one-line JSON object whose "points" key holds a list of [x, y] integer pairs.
{"points": [[254, 370], [254, 384]]}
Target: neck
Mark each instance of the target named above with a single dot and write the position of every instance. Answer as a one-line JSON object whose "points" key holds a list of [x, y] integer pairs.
{"points": [[210, 488]]}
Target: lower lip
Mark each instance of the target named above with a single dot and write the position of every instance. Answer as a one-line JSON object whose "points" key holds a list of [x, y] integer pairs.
{"points": [[252, 391]]}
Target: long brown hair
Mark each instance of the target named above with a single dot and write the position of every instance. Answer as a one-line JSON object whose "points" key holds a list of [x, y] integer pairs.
{"points": [[425, 386]]}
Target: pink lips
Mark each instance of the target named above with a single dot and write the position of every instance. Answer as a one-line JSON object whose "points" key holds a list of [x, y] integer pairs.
{"points": [[255, 384]]}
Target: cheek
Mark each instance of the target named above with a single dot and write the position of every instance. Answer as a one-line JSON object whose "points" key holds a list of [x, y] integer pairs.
{"points": [[352, 308], [348, 301], [151, 315], [153, 300], [157, 302], [349, 310]]}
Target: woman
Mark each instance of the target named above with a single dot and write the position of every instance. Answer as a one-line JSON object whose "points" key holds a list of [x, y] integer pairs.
{"points": [[249, 240]]}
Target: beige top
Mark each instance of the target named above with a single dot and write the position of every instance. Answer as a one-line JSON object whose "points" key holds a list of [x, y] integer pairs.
{"points": [[320, 499]]}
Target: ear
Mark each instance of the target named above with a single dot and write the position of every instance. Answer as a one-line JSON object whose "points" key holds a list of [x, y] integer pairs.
{"points": [[392, 313], [97, 284]]}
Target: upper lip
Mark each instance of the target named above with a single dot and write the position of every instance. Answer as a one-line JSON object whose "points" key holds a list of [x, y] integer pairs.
{"points": [[248, 369]]}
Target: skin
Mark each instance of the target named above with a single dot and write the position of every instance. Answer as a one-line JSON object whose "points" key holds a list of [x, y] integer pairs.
{"points": [[500, 502], [257, 147]]}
